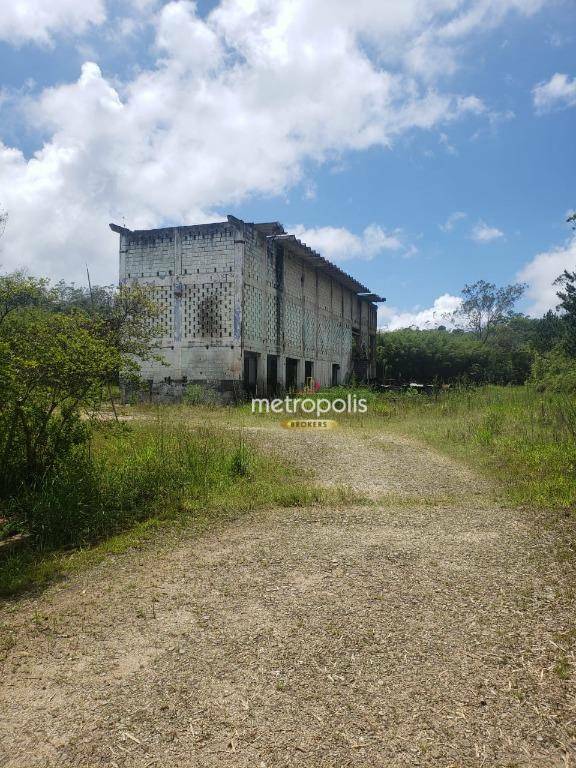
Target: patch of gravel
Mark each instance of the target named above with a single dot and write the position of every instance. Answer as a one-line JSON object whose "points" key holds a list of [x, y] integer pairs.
{"points": [[375, 464], [398, 633]]}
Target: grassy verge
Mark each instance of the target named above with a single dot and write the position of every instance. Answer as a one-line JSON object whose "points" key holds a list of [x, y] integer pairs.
{"points": [[523, 439], [192, 465], [136, 479]]}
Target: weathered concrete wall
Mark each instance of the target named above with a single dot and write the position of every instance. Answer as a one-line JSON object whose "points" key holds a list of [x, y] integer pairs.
{"points": [[311, 320], [262, 301], [227, 291], [195, 275]]}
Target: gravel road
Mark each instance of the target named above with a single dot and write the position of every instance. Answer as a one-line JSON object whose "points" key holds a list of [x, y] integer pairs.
{"points": [[425, 627]]}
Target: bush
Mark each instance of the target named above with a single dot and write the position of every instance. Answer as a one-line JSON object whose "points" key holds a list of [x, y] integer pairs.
{"points": [[59, 348], [554, 372], [125, 475], [52, 366], [197, 394]]}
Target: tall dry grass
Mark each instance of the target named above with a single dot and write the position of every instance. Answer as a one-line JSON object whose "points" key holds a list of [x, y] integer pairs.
{"points": [[138, 476], [523, 438]]}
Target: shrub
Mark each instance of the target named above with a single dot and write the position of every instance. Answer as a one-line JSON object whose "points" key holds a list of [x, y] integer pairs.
{"points": [[52, 366], [197, 394], [127, 474], [554, 372]]}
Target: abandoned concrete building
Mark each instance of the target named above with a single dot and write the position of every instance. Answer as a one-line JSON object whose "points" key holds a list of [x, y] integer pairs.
{"points": [[249, 307]]}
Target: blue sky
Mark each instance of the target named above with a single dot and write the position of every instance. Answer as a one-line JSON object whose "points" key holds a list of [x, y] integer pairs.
{"points": [[421, 145]]}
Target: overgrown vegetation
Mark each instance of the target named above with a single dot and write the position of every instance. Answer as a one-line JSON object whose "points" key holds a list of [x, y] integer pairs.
{"points": [[58, 357], [56, 360], [522, 438], [69, 478], [507, 355], [136, 477]]}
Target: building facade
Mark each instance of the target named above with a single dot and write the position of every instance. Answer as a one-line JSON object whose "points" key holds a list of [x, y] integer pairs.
{"points": [[248, 307]]}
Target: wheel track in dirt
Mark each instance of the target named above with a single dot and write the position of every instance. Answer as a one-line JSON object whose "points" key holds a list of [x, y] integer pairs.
{"points": [[419, 629]]}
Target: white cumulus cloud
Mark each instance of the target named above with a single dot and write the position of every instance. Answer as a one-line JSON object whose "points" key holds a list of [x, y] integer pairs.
{"points": [[558, 93], [339, 244], [541, 272], [237, 103], [38, 21], [483, 233], [392, 319]]}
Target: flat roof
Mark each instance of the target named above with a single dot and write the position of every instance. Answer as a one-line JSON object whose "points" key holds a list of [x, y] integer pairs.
{"points": [[275, 231]]}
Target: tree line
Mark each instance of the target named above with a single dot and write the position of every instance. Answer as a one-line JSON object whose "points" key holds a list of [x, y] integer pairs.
{"points": [[490, 343]]}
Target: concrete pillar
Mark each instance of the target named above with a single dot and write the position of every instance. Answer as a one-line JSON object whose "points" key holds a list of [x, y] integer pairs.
{"points": [[300, 378], [282, 372], [238, 286], [261, 375]]}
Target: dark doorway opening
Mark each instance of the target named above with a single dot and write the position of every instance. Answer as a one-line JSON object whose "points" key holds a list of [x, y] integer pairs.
{"points": [[250, 372], [272, 373], [335, 374], [309, 373], [291, 373]]}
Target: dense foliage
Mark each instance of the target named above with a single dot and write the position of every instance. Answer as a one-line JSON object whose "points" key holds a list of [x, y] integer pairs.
{"points": [[70, 475], [58, 356], [500, 347], [51, 366], [567, 296]]}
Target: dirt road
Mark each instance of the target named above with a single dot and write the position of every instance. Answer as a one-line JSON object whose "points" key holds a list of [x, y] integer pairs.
{"points": [[425, 628]]}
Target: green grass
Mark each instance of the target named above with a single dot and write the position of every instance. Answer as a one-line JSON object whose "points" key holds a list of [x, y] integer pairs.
{"points": [[523, 439], [136, 479], [192, 465], [376, 403]]}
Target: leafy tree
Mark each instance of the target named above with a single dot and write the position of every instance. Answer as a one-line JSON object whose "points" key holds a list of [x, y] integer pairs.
{"points": [[18, 290], [484, 306], [58, 347], [52, 367], [567, 296], [511, 348], [124, 316], [548, 332]]}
